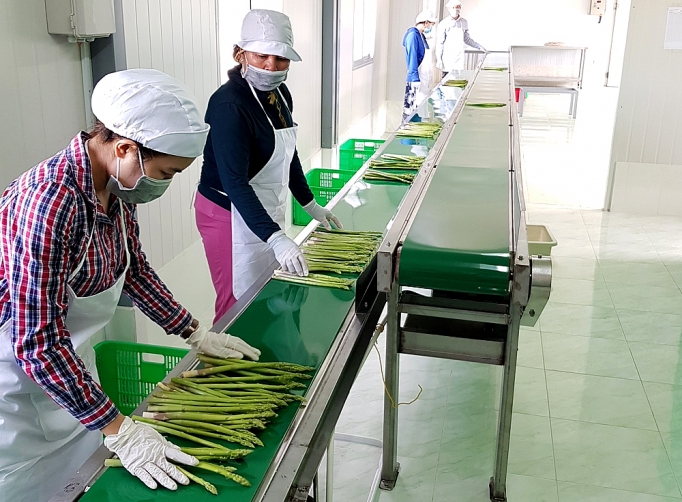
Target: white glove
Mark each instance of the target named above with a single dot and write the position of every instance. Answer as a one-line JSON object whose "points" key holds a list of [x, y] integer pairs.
{"points": [[288, 254], [322, 215], [221, 345], [145, 453]]}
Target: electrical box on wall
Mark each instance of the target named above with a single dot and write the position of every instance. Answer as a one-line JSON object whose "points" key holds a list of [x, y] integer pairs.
{"points": [[81, 19], [597, 7]]}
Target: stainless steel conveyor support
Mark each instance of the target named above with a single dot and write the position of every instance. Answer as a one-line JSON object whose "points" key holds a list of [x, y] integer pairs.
{"points": [[453, 325]]}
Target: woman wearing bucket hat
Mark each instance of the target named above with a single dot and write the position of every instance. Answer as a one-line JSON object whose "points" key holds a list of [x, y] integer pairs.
{"points": [[452, 35], [69, 246], [250, 161]]}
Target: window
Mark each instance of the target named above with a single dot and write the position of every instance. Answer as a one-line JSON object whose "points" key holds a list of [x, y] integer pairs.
{"points": [[364, 30]]}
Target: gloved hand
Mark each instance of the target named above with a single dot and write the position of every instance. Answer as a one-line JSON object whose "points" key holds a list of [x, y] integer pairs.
{"points": [[221, 345], [145, 453], [290, 300], [288, 254], [322, 215]]}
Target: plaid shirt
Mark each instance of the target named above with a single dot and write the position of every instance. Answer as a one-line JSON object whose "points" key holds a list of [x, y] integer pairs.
{"points": [[46, 217]]}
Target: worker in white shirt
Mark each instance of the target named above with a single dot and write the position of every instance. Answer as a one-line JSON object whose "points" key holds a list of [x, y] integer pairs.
{"points": [[452, 35]]}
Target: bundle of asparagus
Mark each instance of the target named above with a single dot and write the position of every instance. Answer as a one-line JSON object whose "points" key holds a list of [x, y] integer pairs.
{"points": [[321, 280], [420, 130], [486, 105], [375, 175], [227, 400], [495, 68], [393, 161], [337, 252], [456, 83]]}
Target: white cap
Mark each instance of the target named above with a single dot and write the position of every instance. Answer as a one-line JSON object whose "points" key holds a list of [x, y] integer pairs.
{"points": [[426, 15], [453, 3], [268, 32], [153, 109]]}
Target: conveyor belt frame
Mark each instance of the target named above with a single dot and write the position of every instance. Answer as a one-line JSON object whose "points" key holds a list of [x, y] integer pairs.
{"points": [[509, 312]]}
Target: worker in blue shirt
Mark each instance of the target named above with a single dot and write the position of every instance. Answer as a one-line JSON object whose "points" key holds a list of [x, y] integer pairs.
{"points": [[416, 46]]}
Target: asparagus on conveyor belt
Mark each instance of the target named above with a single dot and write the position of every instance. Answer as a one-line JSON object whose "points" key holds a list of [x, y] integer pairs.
{"points": [[456, 83], [227, 400], [378, 175], [486, 105], [334, 252], [393, 161], [427, 130]]}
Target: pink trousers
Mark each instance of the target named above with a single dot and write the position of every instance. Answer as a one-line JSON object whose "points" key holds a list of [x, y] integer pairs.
{"points": [[215, 226]]}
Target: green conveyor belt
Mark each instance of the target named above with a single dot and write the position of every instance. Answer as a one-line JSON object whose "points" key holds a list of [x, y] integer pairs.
{"points": [[459, 239], [303, 336]]}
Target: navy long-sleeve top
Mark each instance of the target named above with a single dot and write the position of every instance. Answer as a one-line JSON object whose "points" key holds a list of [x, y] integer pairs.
{"points": [[240, 143], [415, 47]]}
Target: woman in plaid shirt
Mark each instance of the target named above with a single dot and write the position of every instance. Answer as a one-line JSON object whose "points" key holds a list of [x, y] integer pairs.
{"points": [[69, 246]]}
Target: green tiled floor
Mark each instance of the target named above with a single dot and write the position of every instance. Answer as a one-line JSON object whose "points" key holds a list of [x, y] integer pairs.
{"points": [[598, 401]]}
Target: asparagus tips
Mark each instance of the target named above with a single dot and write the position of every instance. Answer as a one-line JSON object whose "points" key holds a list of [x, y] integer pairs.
{"points": [[114, 462], [209, 487], [216, 452], [223, 472]]}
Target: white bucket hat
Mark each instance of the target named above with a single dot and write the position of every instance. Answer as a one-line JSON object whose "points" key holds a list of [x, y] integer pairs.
{"points": [[426, 15], [268, 32], [153, 109]]}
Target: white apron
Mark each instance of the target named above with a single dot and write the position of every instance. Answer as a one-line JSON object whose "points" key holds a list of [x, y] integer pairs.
{"points": [[250, 255], [453, 52], [424, 89], [41, 444]]}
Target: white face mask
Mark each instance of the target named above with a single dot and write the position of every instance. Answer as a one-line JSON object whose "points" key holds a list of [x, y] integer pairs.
{"points": [[264, 80], [146, 189]]}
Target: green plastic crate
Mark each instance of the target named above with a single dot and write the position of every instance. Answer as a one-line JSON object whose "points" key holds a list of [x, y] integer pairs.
{"points": [[355, 152], [325, 184], [129, 372]]}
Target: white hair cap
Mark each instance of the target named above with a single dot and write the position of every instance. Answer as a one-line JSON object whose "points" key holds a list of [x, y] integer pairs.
{"points": [[268, 32], [153, 109], [426, 15], [453, 3]]}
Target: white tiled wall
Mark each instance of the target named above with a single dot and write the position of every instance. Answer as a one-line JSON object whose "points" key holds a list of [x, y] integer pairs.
{"points": [[652, 189]]}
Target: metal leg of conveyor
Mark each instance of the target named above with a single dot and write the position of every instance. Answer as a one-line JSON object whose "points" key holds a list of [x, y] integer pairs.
{"points": [[390, 466], [498, 488], [329, 489]]}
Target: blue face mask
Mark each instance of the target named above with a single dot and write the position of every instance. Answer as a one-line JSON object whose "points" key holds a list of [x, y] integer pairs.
{"points": [[427, 31]]}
